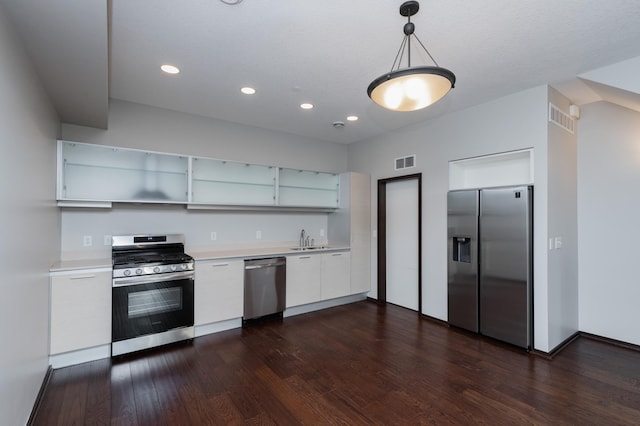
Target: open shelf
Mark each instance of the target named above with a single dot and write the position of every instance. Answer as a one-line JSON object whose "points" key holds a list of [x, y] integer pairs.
{"points": [[503, 169]]}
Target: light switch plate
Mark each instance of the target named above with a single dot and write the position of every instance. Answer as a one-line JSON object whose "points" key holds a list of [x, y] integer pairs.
{"points": [[558, 242], [87, 241], [258, 235]]}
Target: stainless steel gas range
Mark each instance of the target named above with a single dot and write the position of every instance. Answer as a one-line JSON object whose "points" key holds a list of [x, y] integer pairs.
{"points": [[153, 282]]}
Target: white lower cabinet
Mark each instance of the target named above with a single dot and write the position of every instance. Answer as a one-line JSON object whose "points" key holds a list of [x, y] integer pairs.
{"points": [[315, 277], [80, 310], [336, 275], [303, 279], [218, 290]]}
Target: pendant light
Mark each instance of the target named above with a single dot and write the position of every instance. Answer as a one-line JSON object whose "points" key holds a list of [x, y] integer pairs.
{"points": [[411, 88]]}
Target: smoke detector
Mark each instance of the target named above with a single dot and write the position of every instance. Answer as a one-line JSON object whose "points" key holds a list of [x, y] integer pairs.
{"points": [[231, 2], [338, 124]]}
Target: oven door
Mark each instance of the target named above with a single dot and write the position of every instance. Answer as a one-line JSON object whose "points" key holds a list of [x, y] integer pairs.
{"points": [[149, 305]]}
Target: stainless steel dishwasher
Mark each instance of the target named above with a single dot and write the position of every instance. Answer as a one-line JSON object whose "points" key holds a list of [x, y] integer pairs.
{"points": [[264, 288]]}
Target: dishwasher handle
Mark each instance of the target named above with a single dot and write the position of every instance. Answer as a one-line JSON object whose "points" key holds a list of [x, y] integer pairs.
{"points": [[264, 263]]}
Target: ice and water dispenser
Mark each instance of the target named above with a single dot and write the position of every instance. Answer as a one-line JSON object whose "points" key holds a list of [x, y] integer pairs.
{"points": [[462, 249]]}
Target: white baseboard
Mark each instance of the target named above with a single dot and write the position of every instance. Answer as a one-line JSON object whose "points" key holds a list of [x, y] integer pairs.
{"points": [[216, 327], [303, 309], [80, 356]]}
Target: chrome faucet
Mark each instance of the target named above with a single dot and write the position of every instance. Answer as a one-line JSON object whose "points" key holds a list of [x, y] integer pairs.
{"points": [[302, 238]]}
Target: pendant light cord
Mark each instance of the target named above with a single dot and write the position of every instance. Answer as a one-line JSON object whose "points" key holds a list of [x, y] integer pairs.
{"points": [[406, 44], [425, 49]]}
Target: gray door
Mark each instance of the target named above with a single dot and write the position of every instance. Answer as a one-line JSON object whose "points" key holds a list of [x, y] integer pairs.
{"points": [[506, 264], [462, 254]]}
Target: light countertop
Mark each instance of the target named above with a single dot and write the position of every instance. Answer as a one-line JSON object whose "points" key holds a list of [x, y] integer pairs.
{"points": [[259, 252], [71, 265], [243, 253]]}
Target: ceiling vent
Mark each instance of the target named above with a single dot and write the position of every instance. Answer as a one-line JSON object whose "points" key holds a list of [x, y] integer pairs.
{"points": [[405, 162], [562, 119]]}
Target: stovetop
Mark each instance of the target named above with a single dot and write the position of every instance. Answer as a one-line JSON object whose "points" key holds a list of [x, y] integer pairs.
{"points": [[149, 255], [132, 260]]}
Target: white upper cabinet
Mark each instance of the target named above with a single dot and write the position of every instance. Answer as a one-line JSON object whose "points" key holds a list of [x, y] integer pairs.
{"points": [[89, 172], [303, 188], [231, 183], [96, 175]]}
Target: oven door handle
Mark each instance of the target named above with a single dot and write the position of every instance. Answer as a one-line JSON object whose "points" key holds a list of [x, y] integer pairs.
{"points": [[173, 276]]}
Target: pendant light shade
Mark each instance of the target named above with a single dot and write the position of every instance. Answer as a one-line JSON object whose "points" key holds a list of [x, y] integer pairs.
{"points": [[411, 88]]}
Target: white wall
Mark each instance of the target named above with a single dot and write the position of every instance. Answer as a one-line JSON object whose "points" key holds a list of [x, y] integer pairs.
{"points": [[156, 129], [513, 122], [30, 227], [562, 211], [231, 228], [138, 126], [608, 212]]}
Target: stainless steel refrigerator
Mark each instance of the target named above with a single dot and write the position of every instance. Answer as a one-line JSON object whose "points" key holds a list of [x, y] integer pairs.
{"points": [[490, 262]]}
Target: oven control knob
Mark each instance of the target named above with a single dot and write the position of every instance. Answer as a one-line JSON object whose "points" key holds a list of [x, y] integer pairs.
{"points": [[139, 271], [156, 269], [174, 267], [183, 266], [127, 272]]}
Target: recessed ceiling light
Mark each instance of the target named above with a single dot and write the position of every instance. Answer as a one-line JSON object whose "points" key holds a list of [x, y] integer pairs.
{"points": [[352, 118], [248, 90], [306, 106], [170, 69]]}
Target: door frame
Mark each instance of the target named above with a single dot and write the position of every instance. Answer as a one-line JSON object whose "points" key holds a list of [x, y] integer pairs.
{"points": [[382, 236]]}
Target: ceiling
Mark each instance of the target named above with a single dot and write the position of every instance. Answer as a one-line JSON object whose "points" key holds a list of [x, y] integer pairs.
{"points": [[324, 52]]}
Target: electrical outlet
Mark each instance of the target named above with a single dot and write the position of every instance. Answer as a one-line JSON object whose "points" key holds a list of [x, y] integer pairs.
{"points": [[87, 241], [107, 240], [214, 235], [258, 235], [322, 232]]}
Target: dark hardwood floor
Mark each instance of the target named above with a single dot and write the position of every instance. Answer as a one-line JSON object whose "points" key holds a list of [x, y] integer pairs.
{"points": [[354, 364]]}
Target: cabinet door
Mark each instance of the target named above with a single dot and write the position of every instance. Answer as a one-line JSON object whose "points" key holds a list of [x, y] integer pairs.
{"points": [[336, 275], [218, 291], [80, 311], [303, 279], [100, 173], [304, 188], [231, 183]]}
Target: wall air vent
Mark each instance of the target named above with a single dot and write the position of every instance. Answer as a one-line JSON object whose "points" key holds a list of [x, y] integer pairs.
{"points": [[562, 119], [405, 162]]}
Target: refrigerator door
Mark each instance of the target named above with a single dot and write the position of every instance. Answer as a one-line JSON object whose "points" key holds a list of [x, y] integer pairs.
{"points": [[462, 255], [506, 264]]}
